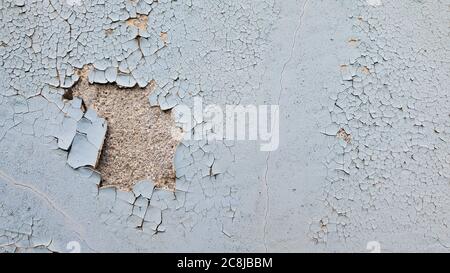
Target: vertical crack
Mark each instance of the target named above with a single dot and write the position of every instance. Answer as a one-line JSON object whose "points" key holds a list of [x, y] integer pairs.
{"points": [[266, 182]]}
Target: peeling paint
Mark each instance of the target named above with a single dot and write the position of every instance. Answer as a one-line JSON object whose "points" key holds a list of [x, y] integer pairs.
{"points": [[364, 118]]}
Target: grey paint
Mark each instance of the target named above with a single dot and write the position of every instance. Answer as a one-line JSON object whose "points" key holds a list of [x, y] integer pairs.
{"points": [[380, 72]]}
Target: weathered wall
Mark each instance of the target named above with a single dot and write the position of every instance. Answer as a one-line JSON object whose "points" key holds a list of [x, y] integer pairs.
{"points": [[364, 124]]}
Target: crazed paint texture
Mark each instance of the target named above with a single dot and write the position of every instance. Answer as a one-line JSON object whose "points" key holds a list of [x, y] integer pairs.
{"points": [[364, 125], [392, 177]]}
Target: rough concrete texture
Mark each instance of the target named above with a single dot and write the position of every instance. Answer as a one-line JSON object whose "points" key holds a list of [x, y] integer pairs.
{"points": [[364, 125], [138, 144]]}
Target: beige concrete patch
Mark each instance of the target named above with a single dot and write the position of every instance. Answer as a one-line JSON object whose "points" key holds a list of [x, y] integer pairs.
{"points": [[140, 21], [138, 142]]}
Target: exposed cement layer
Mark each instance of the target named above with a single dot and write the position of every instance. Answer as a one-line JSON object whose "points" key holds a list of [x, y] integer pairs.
{"points": [[138, 144], [364, 125]]}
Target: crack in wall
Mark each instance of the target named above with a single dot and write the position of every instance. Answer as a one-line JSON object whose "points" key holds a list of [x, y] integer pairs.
{"points": [[291, 54]]}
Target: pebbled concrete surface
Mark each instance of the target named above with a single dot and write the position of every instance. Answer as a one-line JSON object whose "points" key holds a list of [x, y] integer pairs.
{"points": [[364, 125]]}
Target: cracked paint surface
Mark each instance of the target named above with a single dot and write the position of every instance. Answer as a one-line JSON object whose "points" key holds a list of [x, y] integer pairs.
{"points": [[364, 118]]}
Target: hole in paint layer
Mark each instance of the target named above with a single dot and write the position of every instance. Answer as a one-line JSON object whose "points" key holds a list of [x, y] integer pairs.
{"points": [[138, 143]]}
